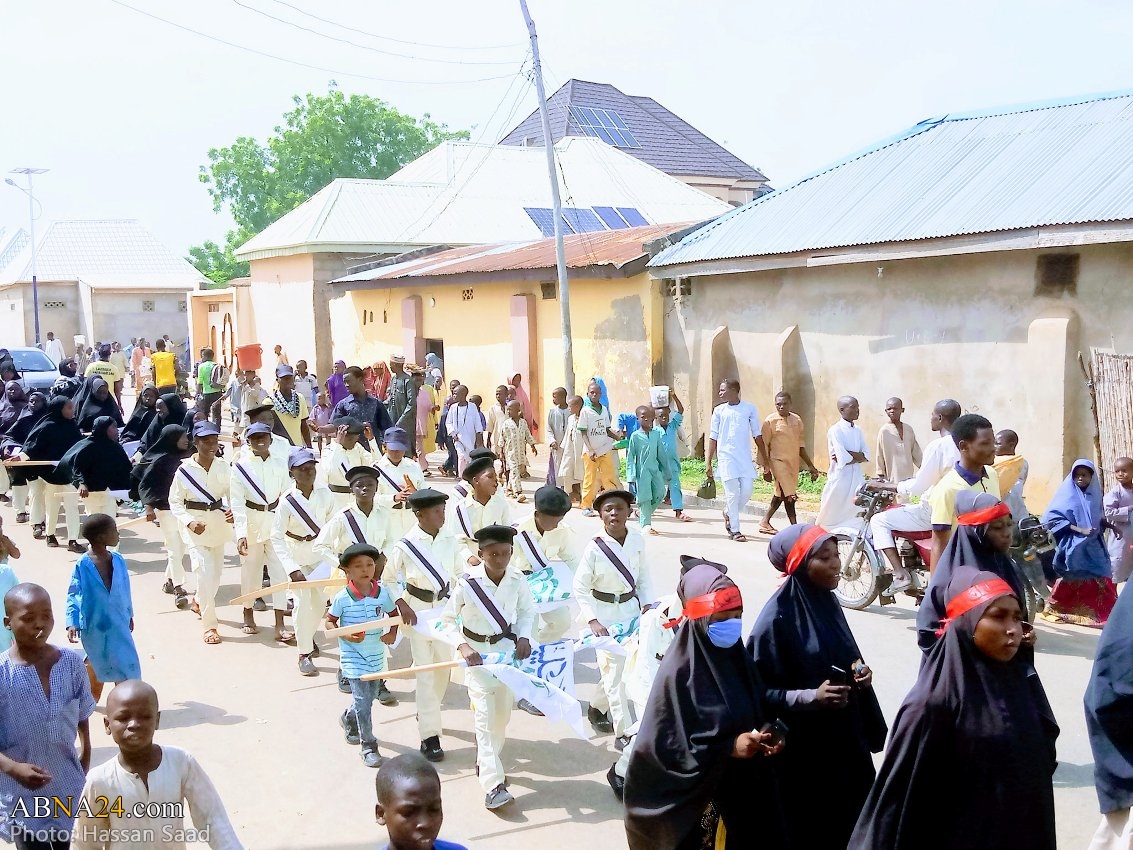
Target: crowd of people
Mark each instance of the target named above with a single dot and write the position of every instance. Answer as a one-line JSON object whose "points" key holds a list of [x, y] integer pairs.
{"points": [[322, 489]]}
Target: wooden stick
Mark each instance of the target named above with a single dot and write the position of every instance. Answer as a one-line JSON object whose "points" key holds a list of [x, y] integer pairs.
{"points": [[31, 463], [130, 522], [288, 585], [406, 672], [369, 626]]}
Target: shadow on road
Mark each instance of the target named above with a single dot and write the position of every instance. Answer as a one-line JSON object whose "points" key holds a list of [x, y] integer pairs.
{"points": [[185, 714], [1071, 775]]}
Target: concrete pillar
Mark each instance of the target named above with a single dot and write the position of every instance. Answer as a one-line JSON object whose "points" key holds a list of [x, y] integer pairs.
{"points": [[412, 337], [525, 349], [1049, 370]]}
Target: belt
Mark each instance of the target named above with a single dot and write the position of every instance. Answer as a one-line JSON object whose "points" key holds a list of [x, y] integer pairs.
{"points": [[602, 596], [338, 488], [427, 595], [399, 506], [303, 539], [204, 506], [256, 506], [493, 639]]}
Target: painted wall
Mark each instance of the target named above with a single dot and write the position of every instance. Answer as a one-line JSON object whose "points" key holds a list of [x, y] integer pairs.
{"points": [[615, 325], [120, 315], [969, 327], [17, 319]]}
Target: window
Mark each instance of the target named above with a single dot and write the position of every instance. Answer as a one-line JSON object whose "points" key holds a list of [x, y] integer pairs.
{"points": [[466, 295], [363, 317], [54, 305], [676, 287], [604, 124], [214, 308], [549, 291], [183, 306], [147, 306], [31, 360], [1056, 274]]}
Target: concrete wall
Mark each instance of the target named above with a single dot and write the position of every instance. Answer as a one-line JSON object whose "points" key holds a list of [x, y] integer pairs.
{"points": [[120, 315], [616, 334], [966, 326], [17, 319]]}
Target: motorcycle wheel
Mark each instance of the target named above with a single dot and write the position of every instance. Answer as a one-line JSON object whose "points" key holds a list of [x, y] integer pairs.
{"points": [[857, 582]]}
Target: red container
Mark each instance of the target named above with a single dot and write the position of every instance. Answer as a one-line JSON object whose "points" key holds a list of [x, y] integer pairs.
{"points": [[250, 356]]}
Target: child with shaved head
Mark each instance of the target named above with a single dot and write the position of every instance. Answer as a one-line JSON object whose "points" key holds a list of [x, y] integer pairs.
{"points": [[409, 804], [145, 773]]}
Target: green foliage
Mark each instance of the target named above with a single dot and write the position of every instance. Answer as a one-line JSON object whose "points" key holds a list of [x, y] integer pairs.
{"points": [[692, 476], [322, 138]]}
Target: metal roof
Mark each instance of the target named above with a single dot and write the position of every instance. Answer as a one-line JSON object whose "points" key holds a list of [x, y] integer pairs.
{"points": [[470, 194], [601, 254], [109, 253], [667, 141], [1053, 163]]}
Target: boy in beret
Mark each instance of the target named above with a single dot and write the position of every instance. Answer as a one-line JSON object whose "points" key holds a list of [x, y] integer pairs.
{"points": [[344, 454], [398, 476], [541, 540], [478, 508]]}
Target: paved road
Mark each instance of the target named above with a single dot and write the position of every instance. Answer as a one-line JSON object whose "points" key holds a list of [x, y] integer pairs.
{"points": [[270, 738]]}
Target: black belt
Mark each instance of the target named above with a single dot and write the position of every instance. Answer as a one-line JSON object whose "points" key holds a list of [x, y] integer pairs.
{"points": [[399, 506], [427, 595], [493, 639], [204, 506], [255, 506], [602, 596], [300, 537], [338, 488]]}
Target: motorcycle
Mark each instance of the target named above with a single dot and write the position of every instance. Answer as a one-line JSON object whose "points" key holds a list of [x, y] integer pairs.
{"points": [[1030, 548], [865, 573]]}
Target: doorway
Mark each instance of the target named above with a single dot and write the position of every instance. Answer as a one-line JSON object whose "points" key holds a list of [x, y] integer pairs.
{"points": [[437, 347]]}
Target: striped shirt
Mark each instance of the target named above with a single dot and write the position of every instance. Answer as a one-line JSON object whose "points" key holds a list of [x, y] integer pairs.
{"points": [[369, 656]]}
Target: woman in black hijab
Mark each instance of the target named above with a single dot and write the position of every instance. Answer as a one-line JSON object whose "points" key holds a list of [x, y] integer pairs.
{"points": [[13, 444], [699, 753], [50, 439], [96, 465], [1109, 722], [818, 684], [12, 404], [153, 476], [169, 410], [971, 761], [97, 401], [144, 412]]}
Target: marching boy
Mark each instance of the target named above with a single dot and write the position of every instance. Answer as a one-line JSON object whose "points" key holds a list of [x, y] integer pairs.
{"points": [[425, 562], [344, 454], [302, 513], [612, 587], [494, 608], [541, 540], [393, 470], [477, 509], [196, 502], [362, 600], [257, 481]]}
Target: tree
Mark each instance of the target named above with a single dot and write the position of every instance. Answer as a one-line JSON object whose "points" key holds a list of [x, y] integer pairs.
{"points": [[323, 138]]}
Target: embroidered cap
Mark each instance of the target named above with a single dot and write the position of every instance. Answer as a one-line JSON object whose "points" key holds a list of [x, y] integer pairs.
{"points": [[361, 472], [299, 456], [356, 549], [395, 438], [495, 534], [426, 497], [256, 428], [205, 428], [397, 358], [552, 501], [612, 494]]}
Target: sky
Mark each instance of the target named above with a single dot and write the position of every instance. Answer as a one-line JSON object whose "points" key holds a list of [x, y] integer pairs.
{"points": [[123, 108]]}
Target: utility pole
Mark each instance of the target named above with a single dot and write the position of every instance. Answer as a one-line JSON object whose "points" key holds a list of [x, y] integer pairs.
{"points": [[556, 207], [31, 215]]}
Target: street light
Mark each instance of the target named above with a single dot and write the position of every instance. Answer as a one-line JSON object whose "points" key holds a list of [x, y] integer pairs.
{"points": [[31, 216]]}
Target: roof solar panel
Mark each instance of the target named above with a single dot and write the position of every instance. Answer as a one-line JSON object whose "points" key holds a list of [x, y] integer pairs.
{"points": [[610, 216], [632, 216], [604, 124], [543, 219], [582, 220]]}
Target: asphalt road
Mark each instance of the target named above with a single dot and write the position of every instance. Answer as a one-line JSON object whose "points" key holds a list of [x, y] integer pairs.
{"points": [[270, 739]]}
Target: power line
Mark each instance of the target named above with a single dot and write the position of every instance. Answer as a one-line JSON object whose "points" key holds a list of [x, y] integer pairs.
{"points": [[398, 40], [296, 62], [347, 41]]}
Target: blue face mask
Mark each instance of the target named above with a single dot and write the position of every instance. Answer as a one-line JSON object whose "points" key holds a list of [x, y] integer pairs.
{"points": [[725, 633]]}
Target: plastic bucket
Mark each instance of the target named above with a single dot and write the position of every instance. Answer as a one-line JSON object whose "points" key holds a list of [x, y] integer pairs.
{"points": [[659, 396], [250, 356]]}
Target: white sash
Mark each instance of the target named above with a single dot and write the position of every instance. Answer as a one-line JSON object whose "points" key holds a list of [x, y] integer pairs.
{"points": [[423, 557], [465, 522], [255, 481], [302, 509], [356, 531], [532, 551], [486, 603], [196, 485]]}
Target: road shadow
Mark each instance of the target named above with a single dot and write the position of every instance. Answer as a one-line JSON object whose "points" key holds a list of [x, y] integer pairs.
{"points": [[1070, 775], [582, 800], [1057, 641], [185, 714]]}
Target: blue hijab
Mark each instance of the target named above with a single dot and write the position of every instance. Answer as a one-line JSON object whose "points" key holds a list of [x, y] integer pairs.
{"points": [[1079, 556], [1109, 709]]}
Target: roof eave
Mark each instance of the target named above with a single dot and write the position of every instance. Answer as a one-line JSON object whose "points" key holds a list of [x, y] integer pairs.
{"points": [[334, 248]]}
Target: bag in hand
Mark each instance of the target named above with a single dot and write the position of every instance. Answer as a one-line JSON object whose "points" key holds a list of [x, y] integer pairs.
{"points": [[707, 490]]}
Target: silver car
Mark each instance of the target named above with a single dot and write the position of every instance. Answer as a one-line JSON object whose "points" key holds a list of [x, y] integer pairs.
{"points": [[37, 372]]}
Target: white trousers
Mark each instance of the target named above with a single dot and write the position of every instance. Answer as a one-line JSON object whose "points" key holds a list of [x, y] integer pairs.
{"points": [[101, 502], [551, 626], [611, 668], [737, 493], [622, 764], [1114, 833], [20, 498], [308, 613], [35, 501], [905, 518], [5, 479], [208, 563], [491, 710], [431, 686], [252, 572], [68, 496], [174, 547]]}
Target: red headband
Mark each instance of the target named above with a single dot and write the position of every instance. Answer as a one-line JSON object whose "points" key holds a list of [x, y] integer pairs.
{"points": [[974, 596], [801, 549], [725, 599], [984, 516]]}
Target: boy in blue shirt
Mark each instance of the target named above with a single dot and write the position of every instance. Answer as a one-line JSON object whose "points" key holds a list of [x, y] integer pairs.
{"points": [[363, 599], [670, 422], [409, 804]]}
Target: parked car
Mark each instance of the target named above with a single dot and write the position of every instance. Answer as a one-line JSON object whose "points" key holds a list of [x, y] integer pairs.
{"points": [[37, 372]]}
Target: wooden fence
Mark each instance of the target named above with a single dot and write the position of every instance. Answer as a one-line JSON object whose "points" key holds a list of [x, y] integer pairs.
{"points": [[1113, 393]]}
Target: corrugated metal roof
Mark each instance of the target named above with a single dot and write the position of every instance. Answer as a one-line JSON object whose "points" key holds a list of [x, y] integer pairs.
{"points": [[467, 194], [1063, 162], [104, 253], [613, 250]]}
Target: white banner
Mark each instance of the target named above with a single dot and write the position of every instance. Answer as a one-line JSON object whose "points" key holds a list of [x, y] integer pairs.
{"points": [[616, 643], [551, 587]]}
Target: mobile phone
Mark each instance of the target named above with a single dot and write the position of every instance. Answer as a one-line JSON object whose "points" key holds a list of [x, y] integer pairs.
{"points": [[777, 730], [838, 676]]}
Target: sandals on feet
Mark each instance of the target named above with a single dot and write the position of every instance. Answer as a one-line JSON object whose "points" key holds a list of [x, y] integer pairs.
{"points": [[738, 537], [212, 637], [250, 629], [727, 522], [285, 637]]}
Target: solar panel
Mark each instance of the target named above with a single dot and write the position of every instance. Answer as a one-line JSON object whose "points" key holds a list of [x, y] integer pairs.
{"points": [[632, 216], [604, 124], [582, 220], [610, 216], [543, 219]]}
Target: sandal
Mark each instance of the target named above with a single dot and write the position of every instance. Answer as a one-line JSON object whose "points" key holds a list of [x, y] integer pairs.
{"points": [[769, 530], [21, 518], [250, 629], [684, 518], [738, 537], [212, 637], [285, 637], [39, 530], [195, 607], [727, 522], [654, 531]]}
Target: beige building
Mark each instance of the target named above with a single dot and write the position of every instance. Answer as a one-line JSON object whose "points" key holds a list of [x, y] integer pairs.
{"points": [[973, 257]]}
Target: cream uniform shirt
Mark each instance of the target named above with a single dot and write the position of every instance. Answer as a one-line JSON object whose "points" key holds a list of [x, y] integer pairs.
{"points": [[280, 450], [512, 597], [596, 572], [339, 532], [404, 567], [558, 544], [216, 481], [271, 477], [469, 516], [403, 518], [288, 527], [336, 462]]}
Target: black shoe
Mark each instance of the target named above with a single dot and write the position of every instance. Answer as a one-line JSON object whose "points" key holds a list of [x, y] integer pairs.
{"points": [[617, 784], [38, 531], [524, 705], [167, 587], [621, 742], [370, 756], [181, 600], [21, 518], [307, 667], [599, 720], [385, 696], [431, 749], [343, 685], [52, 541], [259, 605], [314, 653], [76, 547], [497, 797], [350, 727]]}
